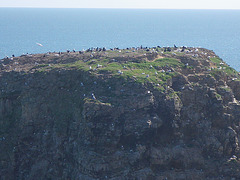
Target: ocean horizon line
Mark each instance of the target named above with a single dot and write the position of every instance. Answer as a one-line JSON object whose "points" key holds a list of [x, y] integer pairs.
{"points": [[116, 8]]}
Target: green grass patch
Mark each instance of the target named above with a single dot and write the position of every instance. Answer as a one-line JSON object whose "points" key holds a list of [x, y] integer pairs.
{"points": [[142, 72], [95, 101], [224, 67], [216, 60], [218, 96], [231, 71], [226, 88], [169, 62], [227, 70]]}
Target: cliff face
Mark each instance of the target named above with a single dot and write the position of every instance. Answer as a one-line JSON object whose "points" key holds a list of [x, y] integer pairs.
{"points": [[119, 114]]}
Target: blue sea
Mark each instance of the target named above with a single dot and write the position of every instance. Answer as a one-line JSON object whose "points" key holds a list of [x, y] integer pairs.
{"points": [[68, 29]]}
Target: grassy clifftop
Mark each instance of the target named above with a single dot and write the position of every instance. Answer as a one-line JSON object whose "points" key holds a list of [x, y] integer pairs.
{"points": [[143, 65]]}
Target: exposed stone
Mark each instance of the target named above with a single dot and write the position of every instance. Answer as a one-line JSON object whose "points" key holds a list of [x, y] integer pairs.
{"points": [[183, 126]]}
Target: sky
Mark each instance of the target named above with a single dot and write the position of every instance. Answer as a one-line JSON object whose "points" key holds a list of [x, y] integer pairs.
{"points": [[143, 4]]}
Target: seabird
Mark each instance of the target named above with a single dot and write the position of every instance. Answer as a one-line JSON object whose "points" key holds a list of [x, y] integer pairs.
{"points": [[149, 123], [39, 44], [93, 96], [120, 72]]}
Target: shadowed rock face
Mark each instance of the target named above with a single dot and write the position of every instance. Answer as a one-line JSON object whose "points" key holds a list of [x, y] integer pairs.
{"points": [[185, 127]]}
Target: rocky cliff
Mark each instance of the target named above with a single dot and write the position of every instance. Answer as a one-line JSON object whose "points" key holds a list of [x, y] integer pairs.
{"points": [[135, 113]]}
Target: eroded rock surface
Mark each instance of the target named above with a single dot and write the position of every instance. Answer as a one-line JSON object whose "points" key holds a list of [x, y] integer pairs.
{"points": [[61, 120]]}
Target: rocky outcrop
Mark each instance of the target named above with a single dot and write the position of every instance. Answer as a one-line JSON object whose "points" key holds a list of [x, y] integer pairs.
{"points": [[61, 122]]}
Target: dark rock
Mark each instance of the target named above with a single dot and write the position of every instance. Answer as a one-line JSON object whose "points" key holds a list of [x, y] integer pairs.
{"points": [[184, 125]]}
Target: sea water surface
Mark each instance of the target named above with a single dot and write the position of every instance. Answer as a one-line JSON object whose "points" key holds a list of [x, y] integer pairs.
{"points": [[68, 29]]}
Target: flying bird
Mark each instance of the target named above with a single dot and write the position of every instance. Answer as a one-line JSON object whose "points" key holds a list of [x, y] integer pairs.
{"points": [[39, 44]]}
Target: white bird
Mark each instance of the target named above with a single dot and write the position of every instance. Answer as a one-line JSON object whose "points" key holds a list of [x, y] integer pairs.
{"points": [[93, 96], [120, 72], [39, 44]]}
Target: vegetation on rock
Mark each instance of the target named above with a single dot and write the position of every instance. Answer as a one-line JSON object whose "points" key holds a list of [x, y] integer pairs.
{"points": [[135, 113]]}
